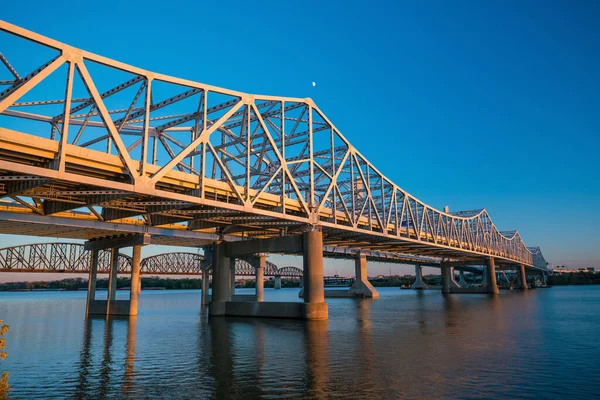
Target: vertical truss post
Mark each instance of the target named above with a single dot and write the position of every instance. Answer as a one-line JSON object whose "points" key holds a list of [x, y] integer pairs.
{"points": [[145, 132], [248, 144], [311, 200], [283, 160], [62, 147]]}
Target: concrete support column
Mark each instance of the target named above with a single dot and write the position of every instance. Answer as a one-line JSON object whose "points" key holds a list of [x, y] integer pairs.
{"points": [[446, 278], [260, 277], [523, 277], [301, 282], [134, 291], [419, 282], [221, 283], [112, 279], [314, 289], [462, 282], [361, 285], [544, 278], [277, 284], [232, 277], [204, 287], [91, 294], [491, 276]]}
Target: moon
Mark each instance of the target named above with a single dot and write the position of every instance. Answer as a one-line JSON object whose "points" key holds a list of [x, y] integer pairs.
{"points": [[314, 84]]}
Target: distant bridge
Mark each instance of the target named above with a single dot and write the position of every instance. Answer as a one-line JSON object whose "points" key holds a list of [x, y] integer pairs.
{"points": [[72, 258]]}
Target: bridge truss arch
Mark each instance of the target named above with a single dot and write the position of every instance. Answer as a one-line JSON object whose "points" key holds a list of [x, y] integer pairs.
{"points": [[178, 263], [73, 258], [223, 163], [57, 257], [244, 268], [290, 272]]}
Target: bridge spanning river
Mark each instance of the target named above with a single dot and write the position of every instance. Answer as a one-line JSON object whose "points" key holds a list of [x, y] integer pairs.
{"points": [[98, 150]]}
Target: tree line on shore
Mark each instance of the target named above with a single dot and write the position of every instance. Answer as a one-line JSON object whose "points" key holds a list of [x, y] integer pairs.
{"points": [[574, 278], [81, 284], [173, 283], [578, 278], [147, 282]]}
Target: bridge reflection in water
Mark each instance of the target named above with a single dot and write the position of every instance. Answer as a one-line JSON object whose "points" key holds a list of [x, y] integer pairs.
{"points": [[245, 358], [407, 344], [221, 342]]}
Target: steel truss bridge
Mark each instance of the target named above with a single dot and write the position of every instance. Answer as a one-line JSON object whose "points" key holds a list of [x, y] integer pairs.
{"points": [[91, 147], [73, 258]]}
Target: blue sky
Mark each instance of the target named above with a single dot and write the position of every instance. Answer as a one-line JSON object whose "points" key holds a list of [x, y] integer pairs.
{"points": [[467, 104]]}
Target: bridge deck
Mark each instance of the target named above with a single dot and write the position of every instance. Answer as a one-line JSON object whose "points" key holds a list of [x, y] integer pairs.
{"points": [[32, 151]]}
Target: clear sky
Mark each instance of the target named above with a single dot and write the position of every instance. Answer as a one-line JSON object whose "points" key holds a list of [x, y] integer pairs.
{"points": [[469, 104]]}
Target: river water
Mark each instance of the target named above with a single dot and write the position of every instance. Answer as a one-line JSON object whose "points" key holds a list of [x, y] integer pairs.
{"points": [[538, 344]]}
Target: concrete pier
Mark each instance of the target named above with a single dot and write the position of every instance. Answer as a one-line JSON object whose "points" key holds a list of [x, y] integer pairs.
{"points": [[221, 283], [492, 286], [112, 281], [462, 282], [260, 277], [523, 278], [449, 284], [112, 306], [135, 280], [314, 286], [91, 294], [419, 282], [205, 284], [310, 244], [277, 284], [361, 285], [232, 277], [447, 278]]}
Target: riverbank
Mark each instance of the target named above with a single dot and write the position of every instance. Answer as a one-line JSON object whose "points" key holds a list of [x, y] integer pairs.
{"points": [[574, 278], [150, 283]]}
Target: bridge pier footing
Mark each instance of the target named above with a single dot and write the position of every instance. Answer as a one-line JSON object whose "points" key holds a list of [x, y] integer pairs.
{"points": [[205, 284], [360, 288], [490, 269], [462, 282], [488, 281], [449, 285], [91, 294], [135, 287], [112, 306], [232, 277], [277, 284], [361, 285], [419, 282], [221, 292], [523, 278], [314, 306], [314, 286], [260, 278]]}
